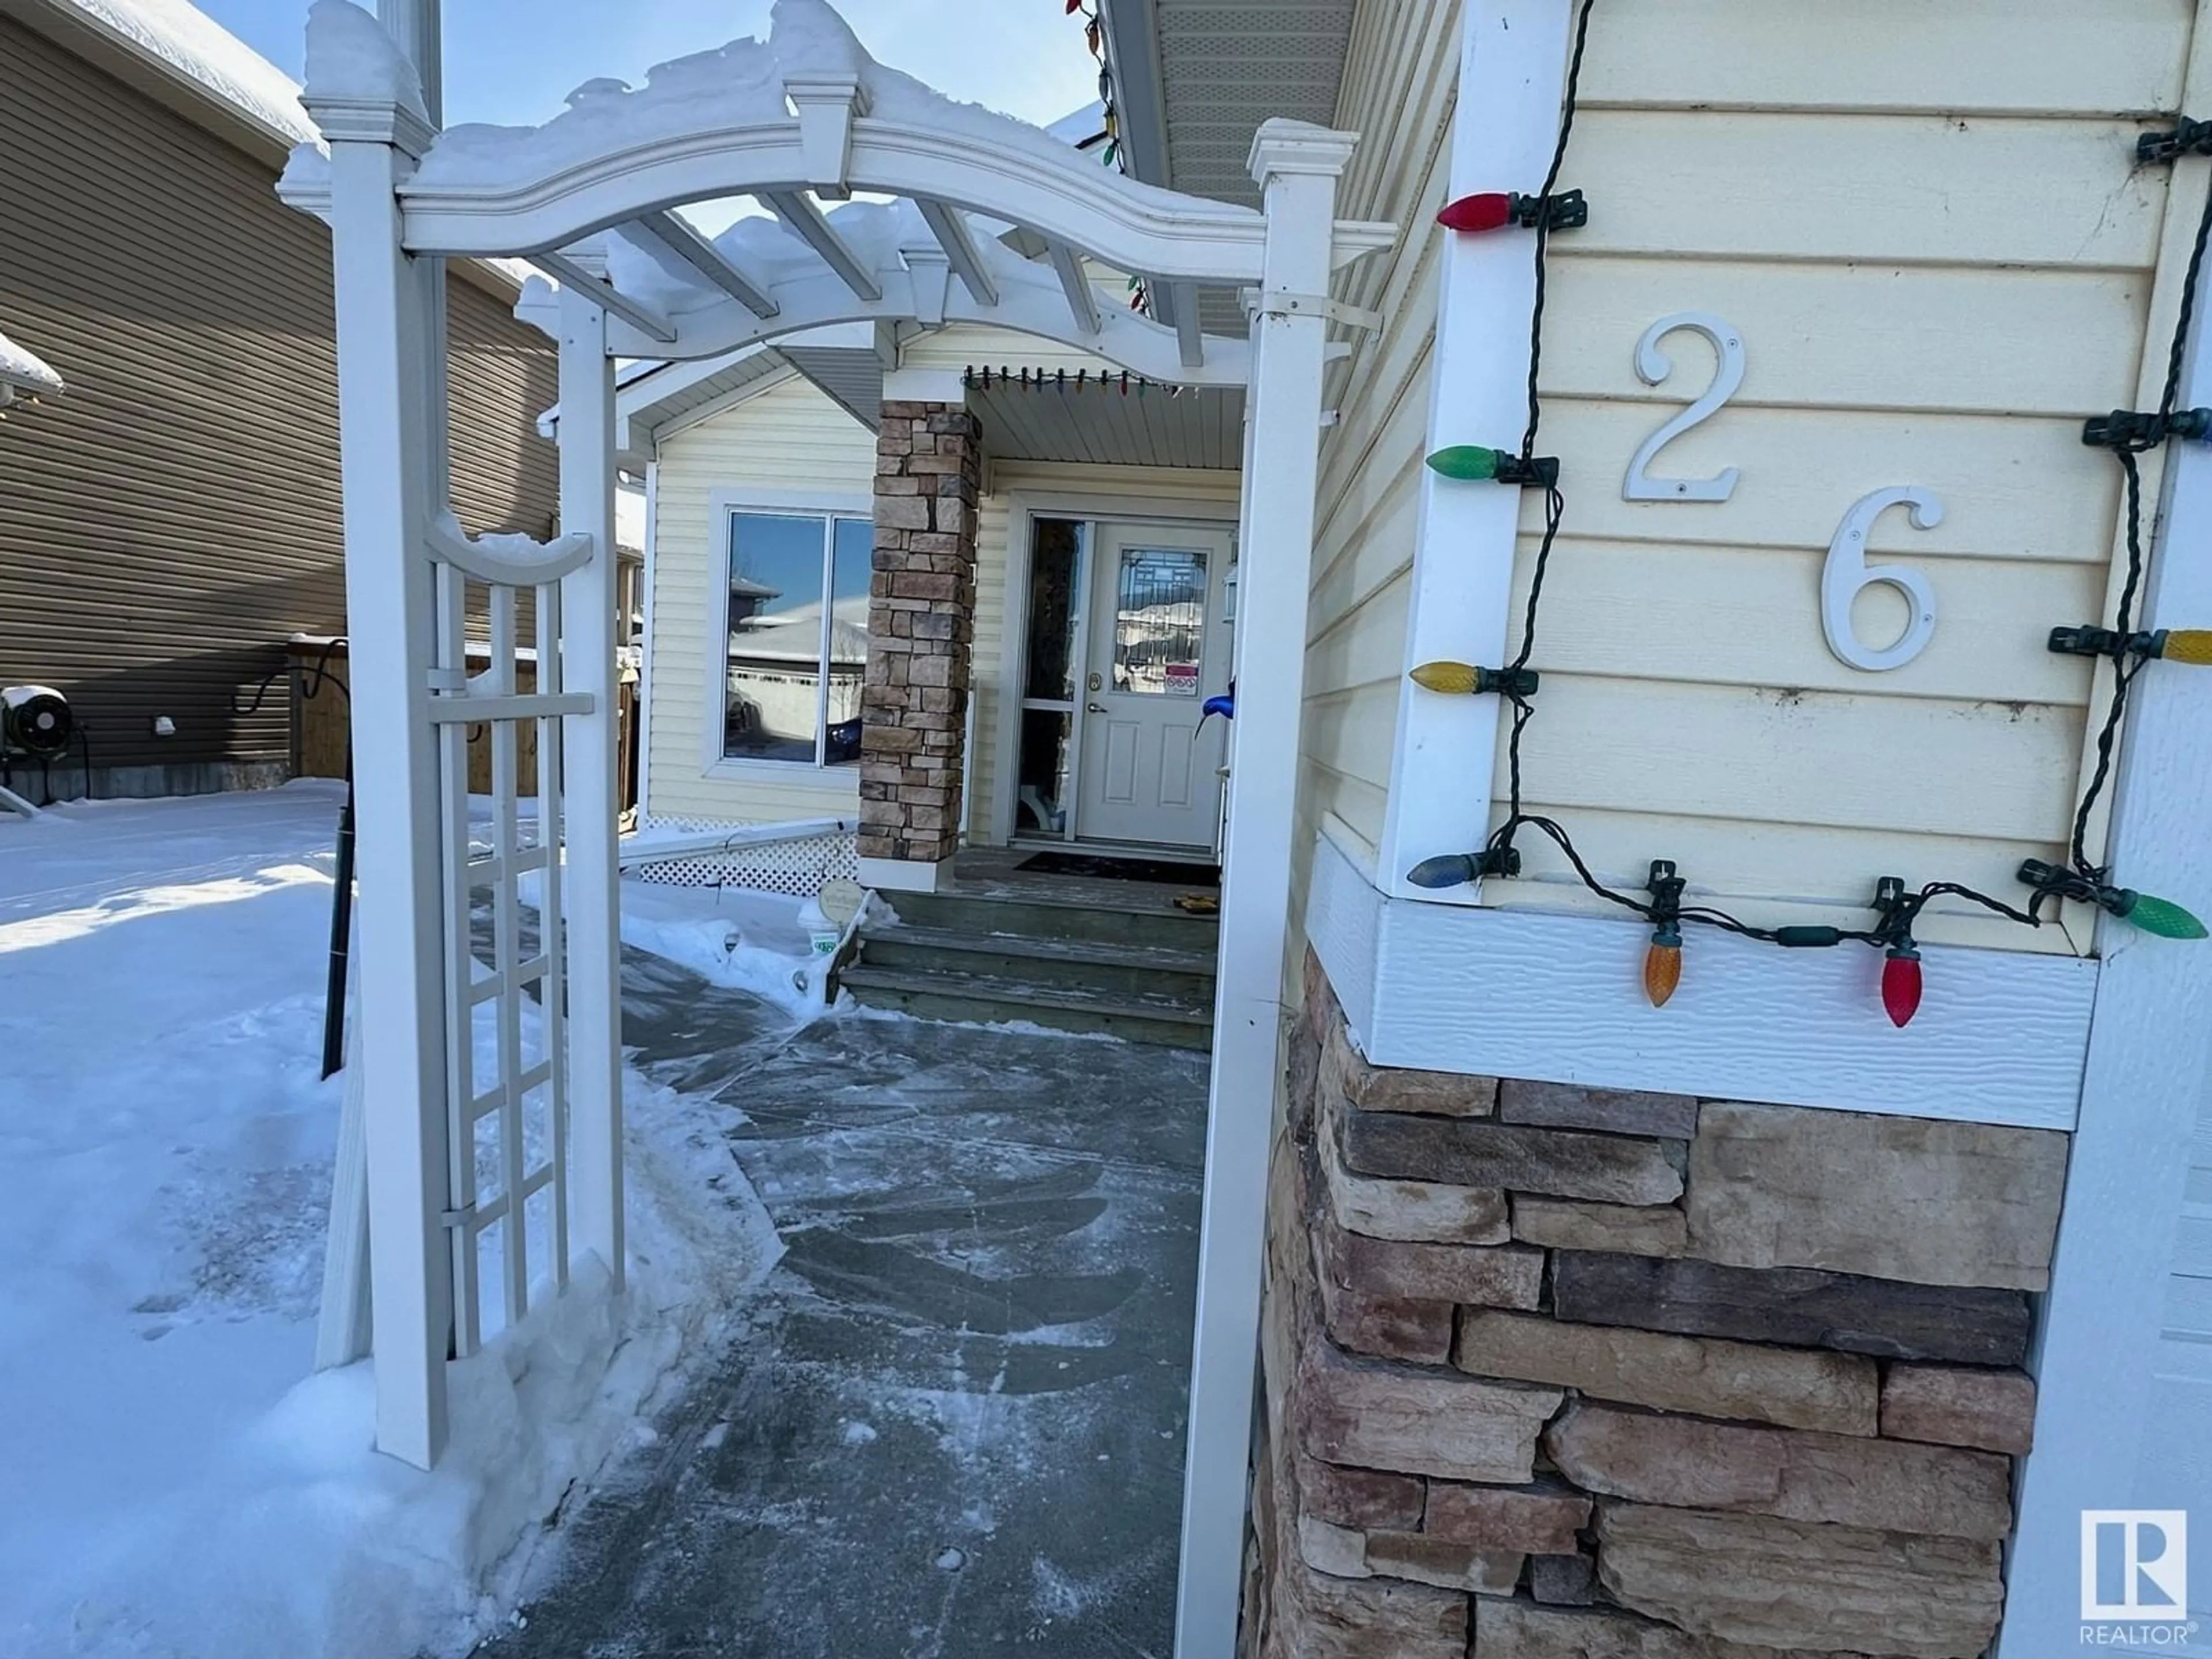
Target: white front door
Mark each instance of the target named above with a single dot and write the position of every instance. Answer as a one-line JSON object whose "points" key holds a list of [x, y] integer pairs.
{"points": [[1160, 647]]}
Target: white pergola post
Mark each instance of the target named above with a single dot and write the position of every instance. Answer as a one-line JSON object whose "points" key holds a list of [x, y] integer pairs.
{"points": [[383, 367], [417, 27], [591, 787], [1297, 167]]}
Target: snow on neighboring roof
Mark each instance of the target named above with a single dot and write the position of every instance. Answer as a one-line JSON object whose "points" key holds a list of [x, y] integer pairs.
{"points": [[21, 371], [187, 43]]}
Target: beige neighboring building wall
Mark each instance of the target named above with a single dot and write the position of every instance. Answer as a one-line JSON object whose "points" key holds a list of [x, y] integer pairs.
{"points": [[173, 518]]}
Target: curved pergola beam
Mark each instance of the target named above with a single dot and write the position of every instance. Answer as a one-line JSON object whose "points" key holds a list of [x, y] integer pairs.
{"points": [[1124, 339], [1089, 208]]}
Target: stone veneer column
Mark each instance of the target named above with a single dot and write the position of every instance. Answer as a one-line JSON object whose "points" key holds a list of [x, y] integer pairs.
{"points": [[921, 632], [1622, 1375]]}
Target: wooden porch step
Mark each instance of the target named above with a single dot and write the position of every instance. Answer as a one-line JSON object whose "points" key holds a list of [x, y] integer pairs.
{"points": [[1100, 965], [1034, 911], [1176, 1022]]}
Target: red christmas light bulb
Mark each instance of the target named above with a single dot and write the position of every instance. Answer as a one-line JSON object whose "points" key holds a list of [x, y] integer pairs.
{"points": [[1492, 210], [1900, 984]]}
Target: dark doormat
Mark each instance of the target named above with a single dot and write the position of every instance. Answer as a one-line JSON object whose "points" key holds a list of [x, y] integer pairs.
{"points": [[1165, 870]]}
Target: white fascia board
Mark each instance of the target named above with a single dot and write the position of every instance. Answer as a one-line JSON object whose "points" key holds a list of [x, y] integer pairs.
{"points": [[1558, 998]]}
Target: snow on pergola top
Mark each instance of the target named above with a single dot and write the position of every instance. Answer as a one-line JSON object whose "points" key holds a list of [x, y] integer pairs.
{"points": [[806, 114], [22, 372], [741, 84]]}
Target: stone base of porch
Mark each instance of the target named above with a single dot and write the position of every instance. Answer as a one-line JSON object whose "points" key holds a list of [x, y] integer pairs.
{"points": [[1581, 1374]]}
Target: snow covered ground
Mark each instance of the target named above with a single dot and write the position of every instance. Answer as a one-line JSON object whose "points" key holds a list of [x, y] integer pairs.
{"points": [[176, 1483]]}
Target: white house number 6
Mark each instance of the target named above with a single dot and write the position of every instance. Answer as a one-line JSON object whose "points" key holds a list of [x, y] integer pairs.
{"points": [[1847, 572]]}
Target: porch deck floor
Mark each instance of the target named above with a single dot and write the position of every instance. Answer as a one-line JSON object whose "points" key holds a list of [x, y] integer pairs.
{"points": [[994, 872], [957, 1426]]}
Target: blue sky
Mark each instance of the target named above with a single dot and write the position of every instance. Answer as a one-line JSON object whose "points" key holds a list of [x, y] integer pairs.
{"points": [[514, 60]]}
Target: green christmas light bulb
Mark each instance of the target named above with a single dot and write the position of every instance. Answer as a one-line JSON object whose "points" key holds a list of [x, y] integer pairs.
{"points": [[1471, 463], [2157, 915]]}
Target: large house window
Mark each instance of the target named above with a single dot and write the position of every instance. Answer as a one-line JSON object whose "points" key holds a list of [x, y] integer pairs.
{"points": [[791, 688]]}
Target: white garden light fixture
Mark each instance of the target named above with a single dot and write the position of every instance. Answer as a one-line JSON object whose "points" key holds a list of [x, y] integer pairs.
{"points": [[803, 117]]}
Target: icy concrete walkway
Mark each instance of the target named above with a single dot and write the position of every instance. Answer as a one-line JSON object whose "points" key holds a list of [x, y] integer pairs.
{"points": [[957, 1428]]}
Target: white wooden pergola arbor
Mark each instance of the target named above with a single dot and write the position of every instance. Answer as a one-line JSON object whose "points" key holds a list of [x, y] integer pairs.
{"points": [[803, 117]]}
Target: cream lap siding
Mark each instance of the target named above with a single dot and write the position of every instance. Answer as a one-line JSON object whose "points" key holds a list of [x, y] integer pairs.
{"points": [[1932, 237], [1400, 81], [789, 439]]}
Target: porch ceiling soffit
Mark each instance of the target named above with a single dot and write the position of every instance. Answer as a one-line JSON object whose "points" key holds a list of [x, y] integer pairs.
{"points": [[589, 194], [1105, 426], [1194, 80]]}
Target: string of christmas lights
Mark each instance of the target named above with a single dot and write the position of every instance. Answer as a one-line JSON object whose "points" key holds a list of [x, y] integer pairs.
{"points": [[1111, 154], [1897, 909]]}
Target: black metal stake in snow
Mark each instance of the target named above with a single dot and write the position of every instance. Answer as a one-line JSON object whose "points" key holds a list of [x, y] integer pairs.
{"points": [[334, 993]]}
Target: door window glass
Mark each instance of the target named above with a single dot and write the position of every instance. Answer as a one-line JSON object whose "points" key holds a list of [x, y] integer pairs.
{"points": [[1041, 805], [1055, 574], [1159, 628]]}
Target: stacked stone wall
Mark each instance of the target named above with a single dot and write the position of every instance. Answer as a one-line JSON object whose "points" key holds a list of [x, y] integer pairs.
{"points": [[1567, 1373], [921, 632]]}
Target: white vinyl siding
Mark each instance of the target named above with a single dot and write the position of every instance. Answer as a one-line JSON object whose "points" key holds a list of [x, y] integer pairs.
{"points": [[787, 440], [1940, 256], [1400, 81]]}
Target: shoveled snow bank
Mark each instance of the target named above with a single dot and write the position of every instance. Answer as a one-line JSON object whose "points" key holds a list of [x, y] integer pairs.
{"points": [[177, 1484], [736, 936]]}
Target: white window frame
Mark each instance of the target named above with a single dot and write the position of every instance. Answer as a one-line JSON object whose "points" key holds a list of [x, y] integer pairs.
{"points": [[722, 507]]}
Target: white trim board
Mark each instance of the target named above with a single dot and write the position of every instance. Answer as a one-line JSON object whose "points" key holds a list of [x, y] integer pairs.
{"points": [[1512, 79], [2100, 1346], [1559, 998]]}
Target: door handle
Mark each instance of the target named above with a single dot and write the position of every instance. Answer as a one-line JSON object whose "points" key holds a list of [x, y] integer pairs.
{"points": [[1094, 708]]}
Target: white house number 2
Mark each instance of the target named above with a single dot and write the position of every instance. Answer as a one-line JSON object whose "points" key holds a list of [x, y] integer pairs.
{"points": [[1652, 367], [1847, 574]]}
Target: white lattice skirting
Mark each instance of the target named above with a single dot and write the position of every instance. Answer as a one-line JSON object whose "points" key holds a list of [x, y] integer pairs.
{"points": [[800, 866]]}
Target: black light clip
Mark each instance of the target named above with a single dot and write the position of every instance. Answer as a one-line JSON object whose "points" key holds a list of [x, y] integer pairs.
{"points": [[1564, 209], [2188, 137]]}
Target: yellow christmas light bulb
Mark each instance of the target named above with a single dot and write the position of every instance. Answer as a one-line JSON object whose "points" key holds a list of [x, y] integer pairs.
{"points": [[1454, 678], [2189, 645]]}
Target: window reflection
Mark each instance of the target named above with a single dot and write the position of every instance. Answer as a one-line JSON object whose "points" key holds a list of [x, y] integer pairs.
{"points": [[793, 675], [1160, 621], [852, 558]]}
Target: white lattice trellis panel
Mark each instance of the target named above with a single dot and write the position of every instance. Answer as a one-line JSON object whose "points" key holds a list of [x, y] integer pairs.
{"points": [[799, 867]]}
